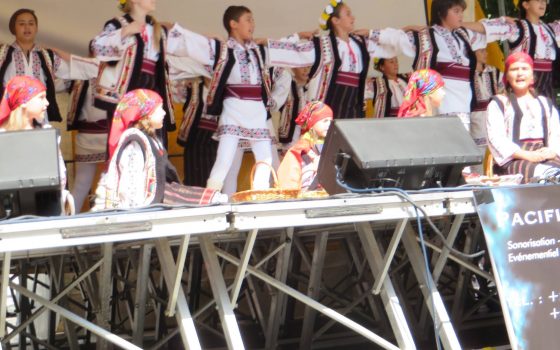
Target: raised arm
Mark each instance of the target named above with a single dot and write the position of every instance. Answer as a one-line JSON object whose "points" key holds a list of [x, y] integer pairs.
{"points": [[500, 29], [111, 43], [391, 42], [291, 52], [183, 42]]}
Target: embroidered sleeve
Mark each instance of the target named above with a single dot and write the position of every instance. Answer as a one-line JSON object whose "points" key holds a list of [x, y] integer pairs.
{"points": [[109, 45], [282, 81], [183, 42], [83, 68], [499, 141], [556, 29], [498, 30], [61, 68], [393, 42], [291, 52], [477, 40], [186, 68], [132, 179]]}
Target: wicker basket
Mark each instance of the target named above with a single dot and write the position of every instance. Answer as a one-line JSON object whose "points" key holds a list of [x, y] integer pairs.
{"points": [[313, 194], [270, 194]]}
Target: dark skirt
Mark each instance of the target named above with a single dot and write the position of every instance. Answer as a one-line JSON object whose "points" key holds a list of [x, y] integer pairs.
{"points": [[345, 102], [199, 157], [544, 84], [525, 167]]}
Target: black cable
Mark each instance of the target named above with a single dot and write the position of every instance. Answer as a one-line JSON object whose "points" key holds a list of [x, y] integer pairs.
{"points": [[404, 195]]}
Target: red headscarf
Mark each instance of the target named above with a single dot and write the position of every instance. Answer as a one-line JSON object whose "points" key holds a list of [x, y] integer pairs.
{"points": [[312, 113], [423, 82], [514, 58], [132, 107], [19, 90]]}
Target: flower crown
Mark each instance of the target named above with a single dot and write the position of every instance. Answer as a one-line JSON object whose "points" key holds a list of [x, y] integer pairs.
{"points": [[122, 4], [327, 13]]}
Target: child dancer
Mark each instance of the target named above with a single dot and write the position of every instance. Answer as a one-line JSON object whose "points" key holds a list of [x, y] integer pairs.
{"points": [[445, 47], [339, 61], [239, 92], [387, 91], [24, 57], [133, 50], [530, 35]]}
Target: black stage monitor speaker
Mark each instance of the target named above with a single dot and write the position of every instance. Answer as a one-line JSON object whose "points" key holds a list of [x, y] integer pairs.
{"points": [[29, 173], [408, 153]]}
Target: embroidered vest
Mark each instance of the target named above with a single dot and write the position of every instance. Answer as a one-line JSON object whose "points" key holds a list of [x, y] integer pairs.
{"points": [[288, 114], [224, 62], [192, 110], [78, 95], [383, 95], [118, 77], [427, 52], [327, 64], [47, 65], [107, 193]]}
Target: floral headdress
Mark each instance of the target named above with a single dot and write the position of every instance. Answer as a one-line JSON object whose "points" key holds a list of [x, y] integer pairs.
{"points": [[327, 13], [122, 4]]}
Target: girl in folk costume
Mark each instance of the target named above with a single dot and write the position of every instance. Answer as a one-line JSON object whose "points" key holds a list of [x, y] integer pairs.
{"points": [[133, 49], [239, 92], [24, 57], [530, 35], [299, 166], [523, 128], [424, 94], [446, 47], [387, 91], [139, 172], [487, 83], [90, 122], [339, 60], [23, 107]]}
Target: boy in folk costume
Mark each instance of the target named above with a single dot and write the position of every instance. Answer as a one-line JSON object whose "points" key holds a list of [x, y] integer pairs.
{"points": [[387, 91], [280, 89], [25, 57], [530, 35], [239, 91], [446, 47], [339, 61]]}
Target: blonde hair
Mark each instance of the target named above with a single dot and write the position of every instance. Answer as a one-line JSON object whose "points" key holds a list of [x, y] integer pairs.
{"points": [[18, 120], [144, 125], [157, 27]]}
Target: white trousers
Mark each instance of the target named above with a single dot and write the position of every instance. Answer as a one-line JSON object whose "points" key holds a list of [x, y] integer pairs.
{"points": [[227, 149]]}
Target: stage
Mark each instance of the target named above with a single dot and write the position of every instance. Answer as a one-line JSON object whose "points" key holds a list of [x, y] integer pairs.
{"points": [[342, 271]]}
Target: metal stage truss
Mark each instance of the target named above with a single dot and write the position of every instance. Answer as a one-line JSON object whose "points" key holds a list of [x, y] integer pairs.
{"points": [[344, 271]]}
